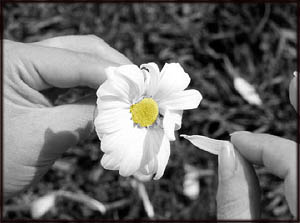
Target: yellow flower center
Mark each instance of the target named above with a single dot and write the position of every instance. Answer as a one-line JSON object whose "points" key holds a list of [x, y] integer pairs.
{"points": [[144, 112]]}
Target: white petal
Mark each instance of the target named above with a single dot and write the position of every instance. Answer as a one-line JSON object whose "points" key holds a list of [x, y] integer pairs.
{"points": [[110, 72], [118, 89], [123, 150], [152, 144], [154, 77], [113, 142], [212, 146], [112, 120], [173, 79], [176, 116], [111, 102], [182, 100], [162, 157], [172, 121], [142, 177], [150, 168], [133, 155], [125, 82], [133, 74], [112, 161]]}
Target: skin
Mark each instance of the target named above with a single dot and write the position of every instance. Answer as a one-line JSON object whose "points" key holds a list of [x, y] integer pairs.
{"points": [[238, 191], [36, 133]]}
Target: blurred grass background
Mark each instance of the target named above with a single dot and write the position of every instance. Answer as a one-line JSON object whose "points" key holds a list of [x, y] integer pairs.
{"points": [[257, 40]]}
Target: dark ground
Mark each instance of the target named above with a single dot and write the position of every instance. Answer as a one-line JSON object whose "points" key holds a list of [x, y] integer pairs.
{"points": [[258, 39]]}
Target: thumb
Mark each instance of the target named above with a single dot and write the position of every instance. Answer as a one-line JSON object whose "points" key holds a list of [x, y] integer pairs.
{"points": [[238, 195], [68, 124]]}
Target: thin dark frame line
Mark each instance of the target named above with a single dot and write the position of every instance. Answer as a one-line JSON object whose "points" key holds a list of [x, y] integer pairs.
{"points": [[3, 2], [144, 220], [298, 107], [1, 108], [150, 1]]}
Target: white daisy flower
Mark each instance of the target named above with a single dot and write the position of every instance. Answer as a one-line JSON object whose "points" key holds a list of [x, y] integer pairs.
{"points": [[138, 111]]}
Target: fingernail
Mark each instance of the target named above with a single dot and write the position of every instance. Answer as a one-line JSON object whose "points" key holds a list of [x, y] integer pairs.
{"points": [[227, 161], [240, 132]]}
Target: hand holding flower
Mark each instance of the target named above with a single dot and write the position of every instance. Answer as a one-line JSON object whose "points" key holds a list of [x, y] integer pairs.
{"points": [[36, 133]]}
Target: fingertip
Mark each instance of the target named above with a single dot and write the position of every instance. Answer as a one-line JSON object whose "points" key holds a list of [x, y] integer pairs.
{"points": [[293, 93], [248, 144], [227, 161], [70, 61], [275, 153], [238, 195], [239, 137], [90, 44]]}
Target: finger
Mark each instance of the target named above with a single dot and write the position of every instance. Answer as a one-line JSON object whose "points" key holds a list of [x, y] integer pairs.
{"points": [[44, 67], [86, 44], [277, 154], [293, 92], [238, 195]]}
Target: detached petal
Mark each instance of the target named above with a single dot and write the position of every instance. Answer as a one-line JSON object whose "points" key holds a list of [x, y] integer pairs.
{"points": [[162, 158], [212, 146], [153, 74], [183, 100], [173, 79], [172, 121]]}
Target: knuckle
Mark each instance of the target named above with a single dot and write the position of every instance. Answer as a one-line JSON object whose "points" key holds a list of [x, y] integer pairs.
{"points": [[11, 52], [98, 43], [95, 38]]}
